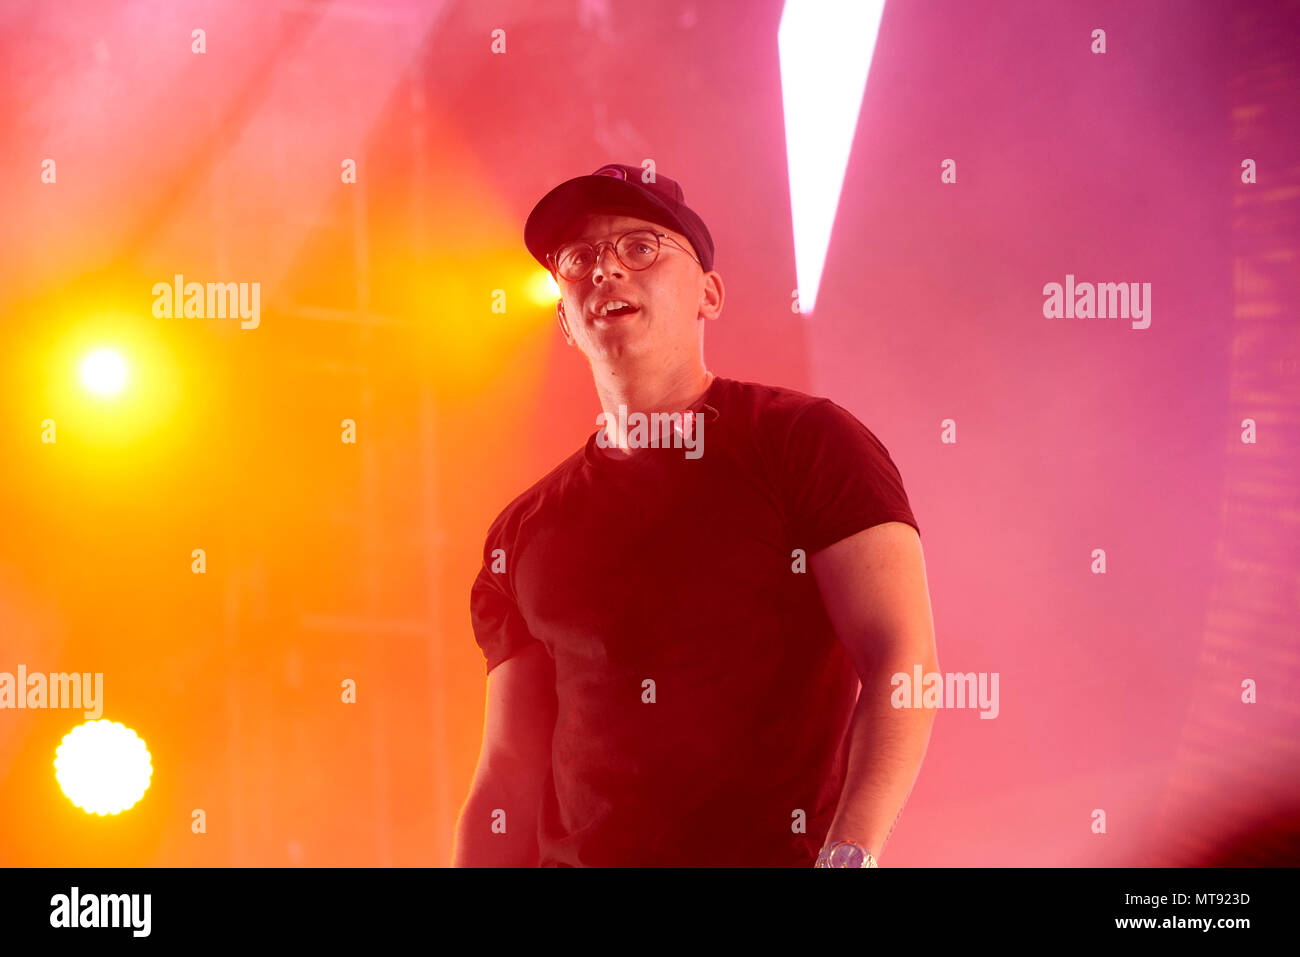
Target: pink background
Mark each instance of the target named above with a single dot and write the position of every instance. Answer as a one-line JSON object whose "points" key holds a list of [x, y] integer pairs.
{"points": [[1118, 691]]}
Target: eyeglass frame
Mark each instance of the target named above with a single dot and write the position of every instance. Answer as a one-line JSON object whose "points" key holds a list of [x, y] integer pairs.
{"points": [[595, 249]]}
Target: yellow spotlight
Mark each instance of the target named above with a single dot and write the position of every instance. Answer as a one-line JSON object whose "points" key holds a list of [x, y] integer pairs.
{"points": [[541, 288], [104, 372], [103, 767]]}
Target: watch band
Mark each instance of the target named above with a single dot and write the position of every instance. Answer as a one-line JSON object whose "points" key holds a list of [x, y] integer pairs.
{"points": [[845, 854]]}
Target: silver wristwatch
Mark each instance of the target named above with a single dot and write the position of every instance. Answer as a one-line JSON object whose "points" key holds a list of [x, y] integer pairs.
{"points": [[845, 854]]}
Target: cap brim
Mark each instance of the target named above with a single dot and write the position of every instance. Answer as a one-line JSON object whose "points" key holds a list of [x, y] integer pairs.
{"points": [[557, 209]]}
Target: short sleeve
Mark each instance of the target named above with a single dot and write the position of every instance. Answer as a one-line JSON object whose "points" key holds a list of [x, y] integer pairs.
{"points": [[837, 478], [499, 628]]}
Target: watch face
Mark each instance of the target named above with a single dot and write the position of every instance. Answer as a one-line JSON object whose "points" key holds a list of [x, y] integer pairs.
{"points": [[847, 855]]}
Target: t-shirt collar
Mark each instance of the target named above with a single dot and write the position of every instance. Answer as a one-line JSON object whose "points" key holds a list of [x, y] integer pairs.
{"points": [[600, 458]]}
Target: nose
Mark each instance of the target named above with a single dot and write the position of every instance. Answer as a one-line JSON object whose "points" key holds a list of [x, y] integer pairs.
{"points": [[599, 268]]}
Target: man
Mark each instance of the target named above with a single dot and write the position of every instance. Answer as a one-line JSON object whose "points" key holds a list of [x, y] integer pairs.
{"points": [[675, 620]]}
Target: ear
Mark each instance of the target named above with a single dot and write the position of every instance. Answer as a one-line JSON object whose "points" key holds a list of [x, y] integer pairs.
{"points": [[564, 326], [712, 296]]}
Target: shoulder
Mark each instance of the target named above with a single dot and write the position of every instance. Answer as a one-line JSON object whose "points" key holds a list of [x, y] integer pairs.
{"points": [[772, 400], [778, 412], [546, 490]]}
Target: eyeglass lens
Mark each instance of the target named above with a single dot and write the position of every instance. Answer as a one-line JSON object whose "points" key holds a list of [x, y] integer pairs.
{"points": [[636, 250]]}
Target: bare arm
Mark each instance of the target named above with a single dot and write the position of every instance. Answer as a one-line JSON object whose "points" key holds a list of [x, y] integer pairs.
{"points": [[498, 822], [874, 587]]}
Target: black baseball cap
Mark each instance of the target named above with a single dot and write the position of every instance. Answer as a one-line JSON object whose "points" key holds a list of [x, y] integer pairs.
{"points": [[620, 189]]}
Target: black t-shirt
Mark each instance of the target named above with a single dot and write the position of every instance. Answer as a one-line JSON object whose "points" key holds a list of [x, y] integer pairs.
{"points": [[663, 575]]}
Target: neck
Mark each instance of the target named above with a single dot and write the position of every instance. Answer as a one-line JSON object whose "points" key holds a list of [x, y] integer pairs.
{"points": [[672, 390]]}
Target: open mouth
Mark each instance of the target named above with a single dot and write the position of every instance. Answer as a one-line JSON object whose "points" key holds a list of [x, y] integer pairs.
{"points": [[618, 310]]}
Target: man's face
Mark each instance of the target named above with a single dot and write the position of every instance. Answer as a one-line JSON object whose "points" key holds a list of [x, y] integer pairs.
{"points": [[670, 297]]}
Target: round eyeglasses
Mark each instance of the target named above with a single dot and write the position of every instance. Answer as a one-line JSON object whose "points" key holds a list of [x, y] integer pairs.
{"points": [[636, 249]]}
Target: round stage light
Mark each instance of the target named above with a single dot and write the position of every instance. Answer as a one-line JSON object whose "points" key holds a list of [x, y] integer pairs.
{"points": [[103, 767], [541, 288], [103, 372]]}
